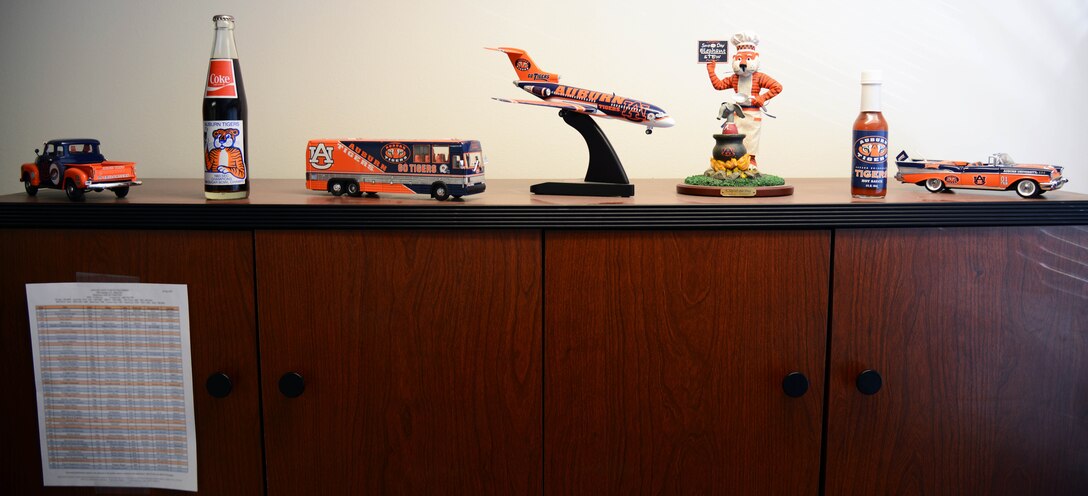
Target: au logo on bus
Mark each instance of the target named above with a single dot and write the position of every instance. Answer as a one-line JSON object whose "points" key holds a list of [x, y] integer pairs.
{"points": [[320, 156], [395, 153]]}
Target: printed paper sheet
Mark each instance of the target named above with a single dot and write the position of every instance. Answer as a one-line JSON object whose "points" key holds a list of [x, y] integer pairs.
{"points": [[113, 371]]}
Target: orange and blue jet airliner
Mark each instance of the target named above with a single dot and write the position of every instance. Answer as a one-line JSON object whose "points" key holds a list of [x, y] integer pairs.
{"points": [[608, 105]]}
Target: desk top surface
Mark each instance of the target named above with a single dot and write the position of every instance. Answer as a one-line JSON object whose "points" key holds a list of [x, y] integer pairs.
{"points": [[287, 204]]}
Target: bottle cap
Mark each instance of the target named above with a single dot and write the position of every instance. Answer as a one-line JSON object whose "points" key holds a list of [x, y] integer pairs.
{"points": [[872, 76], [223, 17]]}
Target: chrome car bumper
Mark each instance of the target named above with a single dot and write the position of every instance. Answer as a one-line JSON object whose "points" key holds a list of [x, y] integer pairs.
{"points": [[1052, 185], [115, 184]]}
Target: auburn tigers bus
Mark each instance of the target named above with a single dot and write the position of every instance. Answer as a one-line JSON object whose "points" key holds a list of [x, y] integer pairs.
{"points": [[439, 168]]}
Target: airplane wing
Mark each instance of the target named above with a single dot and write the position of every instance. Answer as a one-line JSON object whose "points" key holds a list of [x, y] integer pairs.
{"points": [[577, 107]]}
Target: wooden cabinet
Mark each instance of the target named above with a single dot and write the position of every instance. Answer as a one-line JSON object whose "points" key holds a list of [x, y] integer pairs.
{"points": [[980, 337], [421, 360], [520, 344], [218, 269], [665, 354]]}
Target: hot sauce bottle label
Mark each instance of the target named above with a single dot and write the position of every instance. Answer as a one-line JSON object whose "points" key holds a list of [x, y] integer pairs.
{"points": [[221, 82], [870, 160], [224, 158]]}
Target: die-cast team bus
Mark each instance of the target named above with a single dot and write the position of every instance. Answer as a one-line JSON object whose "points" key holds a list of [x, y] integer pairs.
{"points": [[439, 168]]}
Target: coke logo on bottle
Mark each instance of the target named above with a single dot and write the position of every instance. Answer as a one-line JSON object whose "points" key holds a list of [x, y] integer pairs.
{"points": [[221, 79]]}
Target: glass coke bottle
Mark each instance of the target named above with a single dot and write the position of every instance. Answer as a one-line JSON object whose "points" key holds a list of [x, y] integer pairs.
{"points": [[226, 157]]}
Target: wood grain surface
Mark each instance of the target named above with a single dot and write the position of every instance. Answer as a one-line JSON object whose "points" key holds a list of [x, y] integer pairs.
{"points": [[515, 192], [281, 204], [218, 269], [664, 359], [421, 354], [981, 337]]}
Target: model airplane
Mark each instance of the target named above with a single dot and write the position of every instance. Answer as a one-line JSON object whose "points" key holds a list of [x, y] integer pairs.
{"points": [[545, 85]]}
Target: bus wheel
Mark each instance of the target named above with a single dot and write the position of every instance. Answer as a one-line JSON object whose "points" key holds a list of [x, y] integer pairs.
{"points": [[336, 188], [353, 188], [439, 191]]}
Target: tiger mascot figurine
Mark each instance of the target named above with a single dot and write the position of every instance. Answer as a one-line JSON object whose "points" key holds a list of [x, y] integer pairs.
{"points": [[746, 80], [225, 157]]}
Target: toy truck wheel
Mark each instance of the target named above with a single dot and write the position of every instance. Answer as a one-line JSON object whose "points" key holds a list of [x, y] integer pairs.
{"points": [[353, 188], [30, 188], [439, 191], [934, 185], [1027, 188], [336, 188], [75, 193], [121, 191]]}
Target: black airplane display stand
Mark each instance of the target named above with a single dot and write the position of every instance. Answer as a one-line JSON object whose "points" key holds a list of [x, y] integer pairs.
{"points": [[604, 176]]}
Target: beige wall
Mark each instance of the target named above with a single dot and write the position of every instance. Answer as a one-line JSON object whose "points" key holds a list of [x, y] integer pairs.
{"points": [[963, 79]]}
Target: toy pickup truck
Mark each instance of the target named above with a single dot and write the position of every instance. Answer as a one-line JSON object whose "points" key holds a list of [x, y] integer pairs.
{"points": [[76, 166]]}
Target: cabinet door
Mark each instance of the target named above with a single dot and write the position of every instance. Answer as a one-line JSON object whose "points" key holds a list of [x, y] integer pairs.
{"points": [[665, 357], [980, 337], [420, 359], [218, 269]]}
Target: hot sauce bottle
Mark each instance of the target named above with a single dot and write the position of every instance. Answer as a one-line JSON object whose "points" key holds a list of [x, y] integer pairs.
{"points": [[870, 146]]}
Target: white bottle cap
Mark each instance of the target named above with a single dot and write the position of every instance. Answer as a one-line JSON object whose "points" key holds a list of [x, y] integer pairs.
{"points": [[872, 76]]}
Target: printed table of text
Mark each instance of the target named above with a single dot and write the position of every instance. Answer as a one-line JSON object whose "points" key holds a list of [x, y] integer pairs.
{"points": [[113, 382]]}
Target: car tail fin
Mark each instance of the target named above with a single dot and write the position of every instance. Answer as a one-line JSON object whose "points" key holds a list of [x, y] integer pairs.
{"points": [[525, 67], [902, 157]]}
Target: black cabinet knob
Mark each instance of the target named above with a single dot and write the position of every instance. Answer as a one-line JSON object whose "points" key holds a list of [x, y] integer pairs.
{"points": [[292, 385], [219, 385], [795, 384], [869, 382]]}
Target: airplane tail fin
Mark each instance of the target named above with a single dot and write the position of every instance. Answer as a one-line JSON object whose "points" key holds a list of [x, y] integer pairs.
{"points": [[525, 67]]}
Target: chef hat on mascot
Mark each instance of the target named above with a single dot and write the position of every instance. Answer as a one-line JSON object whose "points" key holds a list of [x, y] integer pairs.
{"points": [[746, 41]]}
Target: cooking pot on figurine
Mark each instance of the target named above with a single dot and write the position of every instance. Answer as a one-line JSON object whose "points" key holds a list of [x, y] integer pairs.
{"points": [[729, 146]]}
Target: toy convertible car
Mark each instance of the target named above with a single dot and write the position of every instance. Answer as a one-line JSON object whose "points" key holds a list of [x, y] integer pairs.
{"points": [[999, 172], [76, 165]]}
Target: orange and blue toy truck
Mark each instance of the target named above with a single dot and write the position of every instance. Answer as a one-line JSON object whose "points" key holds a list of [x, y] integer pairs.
{"points": [[439, 168], [77, 166]]}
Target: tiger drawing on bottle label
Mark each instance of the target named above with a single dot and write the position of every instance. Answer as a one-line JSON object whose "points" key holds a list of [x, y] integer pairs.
{"points": [[224, 159]]}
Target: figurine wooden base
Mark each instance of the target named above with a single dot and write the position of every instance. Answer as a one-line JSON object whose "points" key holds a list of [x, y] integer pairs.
{"points": [[734, 191]]}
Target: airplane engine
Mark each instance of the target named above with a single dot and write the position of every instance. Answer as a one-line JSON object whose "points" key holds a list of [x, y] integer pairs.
{"points": [[541, 91]]}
